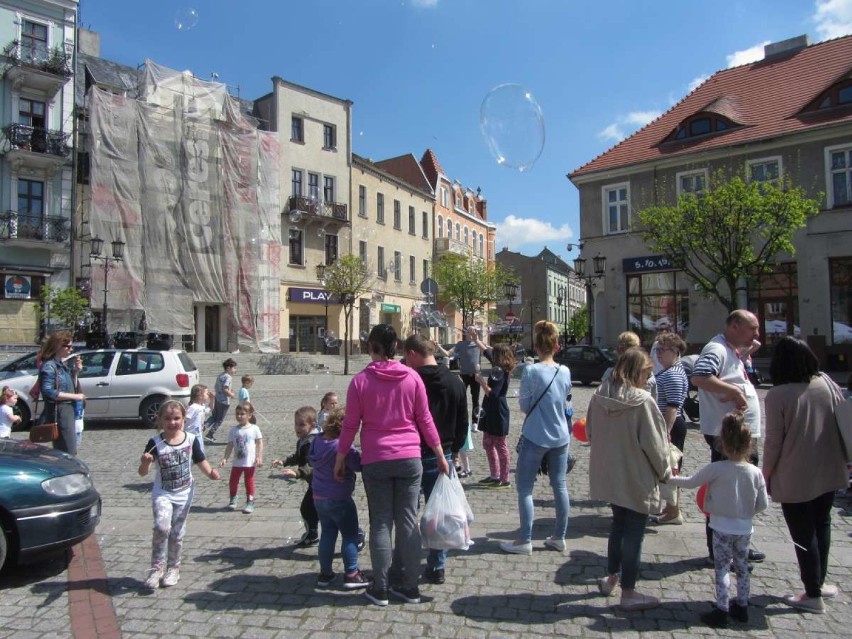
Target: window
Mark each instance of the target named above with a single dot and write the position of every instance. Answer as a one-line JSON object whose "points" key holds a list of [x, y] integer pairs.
{"points": [[481, 242], [458, 232], [425, 225], [380, 208], [440, 226], [313, 185], [362, 251], [30, 198], [764, 170], [296, 181], [97, 364], [839, 173], [33, 41], [465, 236], [362, 201], [652, 297], [382, 271], [133, 363], [444, 196], [397, 266], [329, 136], [616, 208], [838, 95], [330, 248], [694, 182], [31, 113], [840, 277], [328, 188], [701, 124], [397, 215], [425, 269], [412, 266], [449, 229], [412, 221], [297, 129], [296, 242]]}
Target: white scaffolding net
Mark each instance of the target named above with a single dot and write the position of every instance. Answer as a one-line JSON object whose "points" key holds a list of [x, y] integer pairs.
{"points": [[192, 188]]}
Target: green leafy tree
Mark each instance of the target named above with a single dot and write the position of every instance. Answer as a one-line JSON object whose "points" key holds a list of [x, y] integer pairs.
{"points": [[347, 279], [470, 283], [733, 229], [578, 324], [67, 307]]}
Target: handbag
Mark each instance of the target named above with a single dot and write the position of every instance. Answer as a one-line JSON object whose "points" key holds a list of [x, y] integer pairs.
{"points": [[44, 433]]}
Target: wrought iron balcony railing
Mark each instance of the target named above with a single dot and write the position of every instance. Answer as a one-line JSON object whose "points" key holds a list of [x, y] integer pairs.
{"points": [[336, 210], [37, 140], [22, 225], [38, 56]]}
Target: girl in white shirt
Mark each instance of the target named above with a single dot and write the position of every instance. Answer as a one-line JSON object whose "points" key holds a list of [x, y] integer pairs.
{"points": [[8, 399], [736, 491]]}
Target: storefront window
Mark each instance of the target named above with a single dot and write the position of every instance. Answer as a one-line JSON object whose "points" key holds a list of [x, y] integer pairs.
{"points": [[774, 298], [656, 300], [840, 272]]}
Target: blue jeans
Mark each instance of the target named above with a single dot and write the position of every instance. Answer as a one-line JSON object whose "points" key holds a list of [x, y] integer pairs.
{"points": [[436, 559], [624, 550], [338, 515], [529, 461]]}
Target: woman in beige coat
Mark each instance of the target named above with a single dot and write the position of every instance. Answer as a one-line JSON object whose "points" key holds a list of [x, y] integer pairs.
{"points": [[803, 462], [629, 458]]}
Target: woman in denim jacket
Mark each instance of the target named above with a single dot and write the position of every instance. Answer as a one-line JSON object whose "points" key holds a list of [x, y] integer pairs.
{"points": [[58, 382]]}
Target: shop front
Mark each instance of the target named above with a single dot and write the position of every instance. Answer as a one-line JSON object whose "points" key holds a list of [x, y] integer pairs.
{"points": [[314, 319]]}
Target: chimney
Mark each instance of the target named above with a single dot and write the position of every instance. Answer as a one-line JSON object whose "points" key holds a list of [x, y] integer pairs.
{"points": [[791, 45]]}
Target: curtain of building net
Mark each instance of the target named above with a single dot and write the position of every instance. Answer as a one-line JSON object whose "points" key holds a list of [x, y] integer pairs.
{"points": [[191, 187]]}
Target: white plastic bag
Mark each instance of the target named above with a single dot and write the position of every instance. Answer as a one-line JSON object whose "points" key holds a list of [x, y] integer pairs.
{"points": [[446, 518]]}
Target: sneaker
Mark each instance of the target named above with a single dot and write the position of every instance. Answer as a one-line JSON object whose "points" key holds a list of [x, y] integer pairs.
{"points": [[607, 584], [828, 591], [516, 549], [152, 579], [464, 474], [488, 481], [355, 580], [738, 612], [664, 520], [362, 539], [249, 507], [232, 503], [435, 575], [501, 485], [408, 595], [716, 618], [308, 539], [805, 603], [172, 577], [377, 596], [638, 601], [324, 581], [755, 556], [555, 544]]}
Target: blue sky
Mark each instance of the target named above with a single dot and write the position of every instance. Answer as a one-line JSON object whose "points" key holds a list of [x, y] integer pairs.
{"points": [[418, 71]]}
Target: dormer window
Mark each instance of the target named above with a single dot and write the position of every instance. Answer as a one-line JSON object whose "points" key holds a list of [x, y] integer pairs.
{"points": [[701, 124], [838, 95]]}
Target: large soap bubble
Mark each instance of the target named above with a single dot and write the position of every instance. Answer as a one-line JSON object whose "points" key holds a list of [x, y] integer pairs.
{"points": [[186, 18], [513, 126]]}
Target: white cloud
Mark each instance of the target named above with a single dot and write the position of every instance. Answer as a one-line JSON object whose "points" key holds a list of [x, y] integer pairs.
{"points": [[833, 18], [697, 82], [425, 4], [746, 56], [626, 124], [517, 231]]}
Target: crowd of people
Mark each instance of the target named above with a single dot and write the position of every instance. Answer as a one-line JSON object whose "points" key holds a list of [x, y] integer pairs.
{"points": [[413, 425]]}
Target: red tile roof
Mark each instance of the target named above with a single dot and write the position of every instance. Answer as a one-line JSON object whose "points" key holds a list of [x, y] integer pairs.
{"points": [[408, 169], [431, 167], [765, 97]]}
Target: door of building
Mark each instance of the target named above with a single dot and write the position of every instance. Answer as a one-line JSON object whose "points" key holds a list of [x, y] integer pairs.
{"points": [[775, 296], [211, 329], [306, 333]]}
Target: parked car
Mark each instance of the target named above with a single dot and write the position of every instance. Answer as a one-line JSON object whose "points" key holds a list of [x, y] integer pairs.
{"points": [[23, 365], [122, 383], [586, 363], [47, 503]]}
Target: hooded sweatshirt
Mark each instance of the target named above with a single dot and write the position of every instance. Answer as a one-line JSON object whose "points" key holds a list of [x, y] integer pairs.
{"points": [[629, 455], [387, 400], [448, 407]]}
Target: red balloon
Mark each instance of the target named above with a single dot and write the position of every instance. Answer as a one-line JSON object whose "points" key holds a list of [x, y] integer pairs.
{"points": [[579, 430], [699, 498]]}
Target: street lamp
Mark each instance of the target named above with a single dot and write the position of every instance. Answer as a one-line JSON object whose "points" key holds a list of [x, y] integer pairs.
{"points": [[562, 300], [510, 289], [321, 277], [599, 262], [117, 256]]}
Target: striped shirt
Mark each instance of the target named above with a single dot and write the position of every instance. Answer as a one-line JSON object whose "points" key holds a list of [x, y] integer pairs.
{"points": [[672, 385]]}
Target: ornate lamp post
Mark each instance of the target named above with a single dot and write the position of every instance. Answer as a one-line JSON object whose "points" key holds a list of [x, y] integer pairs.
{"points": [[599, 262], [562, 300], [510, 289], [321, 278], [117, 256]]}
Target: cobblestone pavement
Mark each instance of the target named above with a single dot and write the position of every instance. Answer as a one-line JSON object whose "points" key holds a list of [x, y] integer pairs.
{"points": [[242, 577]]}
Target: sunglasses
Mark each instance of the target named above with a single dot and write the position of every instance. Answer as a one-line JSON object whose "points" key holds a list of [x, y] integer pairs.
{"points": [[68, 345]]}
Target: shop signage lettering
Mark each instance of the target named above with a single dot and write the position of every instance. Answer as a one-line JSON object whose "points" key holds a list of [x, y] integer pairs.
{"points": [[310, 295], [647, 263]]}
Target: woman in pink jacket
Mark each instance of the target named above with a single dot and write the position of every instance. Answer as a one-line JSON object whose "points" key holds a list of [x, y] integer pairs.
{"points": [[387, 401]]}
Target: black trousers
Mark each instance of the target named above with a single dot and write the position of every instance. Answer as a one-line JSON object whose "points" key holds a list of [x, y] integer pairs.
{"points": [[678, 436], [309, 512], [809, 523], [470, 380]]}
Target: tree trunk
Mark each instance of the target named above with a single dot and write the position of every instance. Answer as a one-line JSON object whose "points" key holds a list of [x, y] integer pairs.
{"points": [[347, 310]]}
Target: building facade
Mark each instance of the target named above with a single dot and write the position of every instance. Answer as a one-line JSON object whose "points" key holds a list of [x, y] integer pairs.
{"points": [[786, 116], [36, 184]]}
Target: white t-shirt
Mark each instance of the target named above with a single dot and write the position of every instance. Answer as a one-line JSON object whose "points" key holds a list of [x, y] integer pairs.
{"points": [[173, 463], [194, 420], [6, 415], [720, 359], [244, 440]]}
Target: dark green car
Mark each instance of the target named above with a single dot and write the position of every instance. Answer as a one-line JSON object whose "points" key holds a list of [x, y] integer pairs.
{"points": [[47, 501]]}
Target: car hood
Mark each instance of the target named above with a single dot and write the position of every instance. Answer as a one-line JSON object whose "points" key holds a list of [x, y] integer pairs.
{"points": [[19, 456]]}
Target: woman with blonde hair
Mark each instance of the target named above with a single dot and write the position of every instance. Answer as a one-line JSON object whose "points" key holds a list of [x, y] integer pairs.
{"points": [[629, 457]]}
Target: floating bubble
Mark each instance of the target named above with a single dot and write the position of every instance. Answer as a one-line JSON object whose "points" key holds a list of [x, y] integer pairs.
{"points": [[186, 18], [321, 232], [497, 374], [295, 217], [512, 124]]}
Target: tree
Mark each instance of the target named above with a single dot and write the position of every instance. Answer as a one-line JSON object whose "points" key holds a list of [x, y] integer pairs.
{"points": [[578, 325], [67, 305], [470, 283], [347, 279], [733, 229]]}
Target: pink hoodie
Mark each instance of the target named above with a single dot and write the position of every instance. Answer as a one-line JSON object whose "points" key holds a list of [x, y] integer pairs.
{"points": [[388, 401]]}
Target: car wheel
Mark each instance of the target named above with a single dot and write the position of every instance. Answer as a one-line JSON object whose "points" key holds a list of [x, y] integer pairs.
{"points": [[148, 410], [23, 411], [4, 547]]}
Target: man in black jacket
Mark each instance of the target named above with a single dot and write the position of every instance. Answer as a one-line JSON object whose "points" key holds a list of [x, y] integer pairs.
{"points": [[448, 406]]}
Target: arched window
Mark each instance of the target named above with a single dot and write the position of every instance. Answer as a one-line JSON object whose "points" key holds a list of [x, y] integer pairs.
{"points": [[449, 229], [440, 226], [465, 236], [481, 246], [458, 232]]}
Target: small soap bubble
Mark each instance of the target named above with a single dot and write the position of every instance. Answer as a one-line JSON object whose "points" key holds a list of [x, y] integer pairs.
{"points": [[497, 374], [512, 125], [295, 217], [321, 232], [186, 18]]}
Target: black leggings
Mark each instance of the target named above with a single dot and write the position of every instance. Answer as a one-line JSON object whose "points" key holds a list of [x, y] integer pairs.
{"points": [[309, 512], [678, 436], [470, 380], [809, 524]]}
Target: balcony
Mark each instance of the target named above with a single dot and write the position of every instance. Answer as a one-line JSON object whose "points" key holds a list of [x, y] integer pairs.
{"points": [[34, 227], [35, 147], [37, 67], [310, 209], [447, 246]]}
